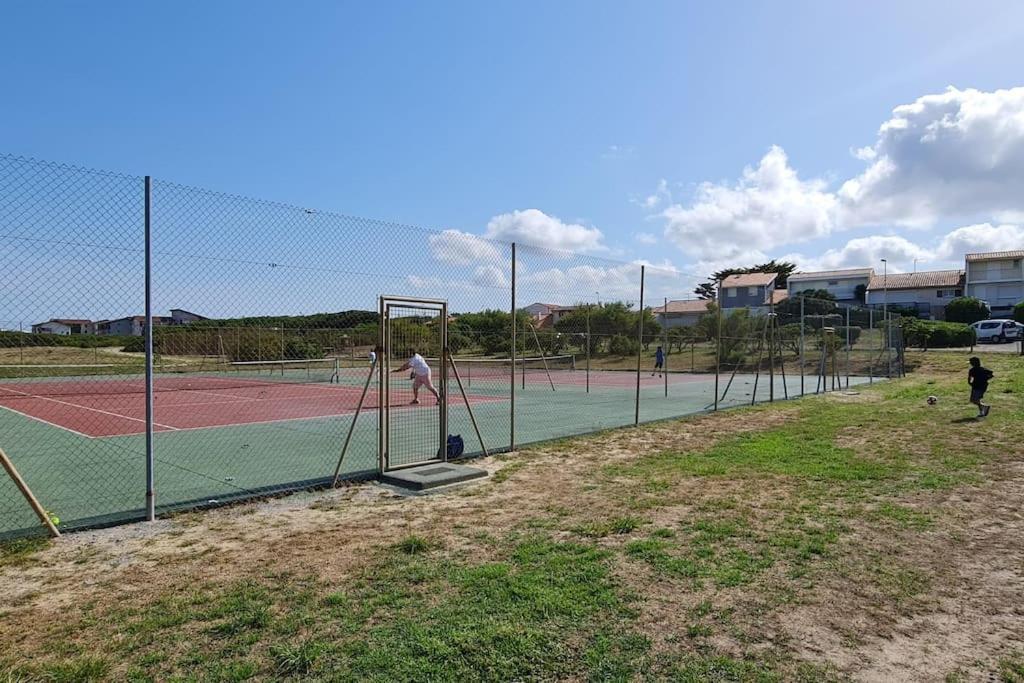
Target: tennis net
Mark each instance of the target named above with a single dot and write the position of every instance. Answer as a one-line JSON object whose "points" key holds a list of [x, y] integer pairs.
{"points": [[484, 368], [306, 369]]}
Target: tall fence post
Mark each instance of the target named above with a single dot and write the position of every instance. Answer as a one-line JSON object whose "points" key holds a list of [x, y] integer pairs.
{"points": [[512, 371], [848, 342], [718, 339], [588, 348], [640, 346], [664, 338], [871, 357], [150, 475], [801, 345]]}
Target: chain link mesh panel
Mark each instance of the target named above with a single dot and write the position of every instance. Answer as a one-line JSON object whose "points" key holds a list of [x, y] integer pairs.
{"points": [[71, 265], [266, 326]]}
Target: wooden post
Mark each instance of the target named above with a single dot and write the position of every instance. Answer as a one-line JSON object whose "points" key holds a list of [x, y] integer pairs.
{"points": [[25, 491]]}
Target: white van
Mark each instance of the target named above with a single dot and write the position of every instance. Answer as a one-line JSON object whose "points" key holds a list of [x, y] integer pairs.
{"points": [[997, 331]]}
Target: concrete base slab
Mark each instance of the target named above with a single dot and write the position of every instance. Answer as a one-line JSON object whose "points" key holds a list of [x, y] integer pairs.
{"points": [[431, 476]]}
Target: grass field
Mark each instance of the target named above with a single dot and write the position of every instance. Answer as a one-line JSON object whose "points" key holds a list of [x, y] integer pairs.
{"points": [[863, 536]]}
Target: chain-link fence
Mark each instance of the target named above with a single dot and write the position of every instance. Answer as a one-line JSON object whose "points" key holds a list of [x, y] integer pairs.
{"points": [[264, 326]]}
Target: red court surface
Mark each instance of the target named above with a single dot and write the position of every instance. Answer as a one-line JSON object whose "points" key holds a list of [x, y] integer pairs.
{"points": [[116, 407]]}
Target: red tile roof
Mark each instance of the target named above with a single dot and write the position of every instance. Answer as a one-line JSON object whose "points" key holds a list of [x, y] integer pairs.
{"points": [[684, 306], [749, 280], [922, 280]]}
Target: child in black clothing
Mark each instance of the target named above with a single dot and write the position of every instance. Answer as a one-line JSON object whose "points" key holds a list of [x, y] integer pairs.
{"points": [[978, 378]]}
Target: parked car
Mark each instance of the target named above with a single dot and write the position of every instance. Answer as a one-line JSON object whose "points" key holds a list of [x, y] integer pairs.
{"points": [[997, 331]]}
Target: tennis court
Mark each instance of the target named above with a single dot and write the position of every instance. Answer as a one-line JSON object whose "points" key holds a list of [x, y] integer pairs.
{"points": [[223, 435]]}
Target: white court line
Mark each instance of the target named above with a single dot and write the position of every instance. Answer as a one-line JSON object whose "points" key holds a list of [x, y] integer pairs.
{"points": [[81, 407], [46, 422]]}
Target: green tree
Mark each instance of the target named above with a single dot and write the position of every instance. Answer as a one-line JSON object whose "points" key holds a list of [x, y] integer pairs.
{"points": [[966, 309], [815, 302], [491, 330], [707, 291], [860, 293], [1018, 312]]}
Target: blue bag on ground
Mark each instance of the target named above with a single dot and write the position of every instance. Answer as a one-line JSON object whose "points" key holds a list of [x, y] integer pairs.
{"points": [[455, 446]]}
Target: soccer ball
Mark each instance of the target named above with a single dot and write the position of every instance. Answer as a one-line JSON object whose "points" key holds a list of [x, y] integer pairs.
{"points": [[932, 400]]}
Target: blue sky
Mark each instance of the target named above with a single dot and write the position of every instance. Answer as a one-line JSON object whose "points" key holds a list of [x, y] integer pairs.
{"points": [[458, 115]]}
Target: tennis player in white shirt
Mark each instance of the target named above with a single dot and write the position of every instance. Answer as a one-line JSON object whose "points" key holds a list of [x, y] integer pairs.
{"points": [[421, 377]]}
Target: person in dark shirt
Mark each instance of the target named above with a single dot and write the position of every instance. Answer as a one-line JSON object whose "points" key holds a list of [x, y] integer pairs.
{"points": [[659, 362], [978, 378]]}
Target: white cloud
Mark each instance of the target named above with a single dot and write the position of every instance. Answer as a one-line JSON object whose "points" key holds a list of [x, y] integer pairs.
{"points": [[768, 207], [661, 194], [958, 153], [536, 228], [979, 238], [868, 252], [462, 248], [645, 238]]}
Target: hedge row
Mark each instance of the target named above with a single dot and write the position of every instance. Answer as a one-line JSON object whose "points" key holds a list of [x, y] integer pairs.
{"points": [[935, 334]]}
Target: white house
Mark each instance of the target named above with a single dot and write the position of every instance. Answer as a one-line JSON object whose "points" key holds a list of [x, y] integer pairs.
{"points": [[927, 291], [681, 313], [64, 326], [546, 315], [748, 290], [998, 278], [842, 284]]}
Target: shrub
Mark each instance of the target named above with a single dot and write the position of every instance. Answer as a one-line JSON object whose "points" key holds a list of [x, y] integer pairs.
{"points": [[937, 335], [1018, 312], [967, 310], [620, 345]]}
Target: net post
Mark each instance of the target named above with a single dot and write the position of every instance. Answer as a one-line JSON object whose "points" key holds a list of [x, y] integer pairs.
{"points": [[150, 475], [640, 346], [512, 369]]}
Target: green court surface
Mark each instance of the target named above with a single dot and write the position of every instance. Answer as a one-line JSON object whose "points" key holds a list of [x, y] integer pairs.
{"points": [[101, 479]]}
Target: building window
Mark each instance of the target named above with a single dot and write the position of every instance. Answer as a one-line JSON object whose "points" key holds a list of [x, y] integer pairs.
{"points": [[730, 292], [833, 283], [752, 291], [939, 293]]}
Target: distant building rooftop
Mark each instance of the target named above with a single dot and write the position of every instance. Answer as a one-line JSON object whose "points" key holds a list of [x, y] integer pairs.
{"points": [[921, 280], [832, 274], [750, 280], [994, 256], [684, 306]]}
